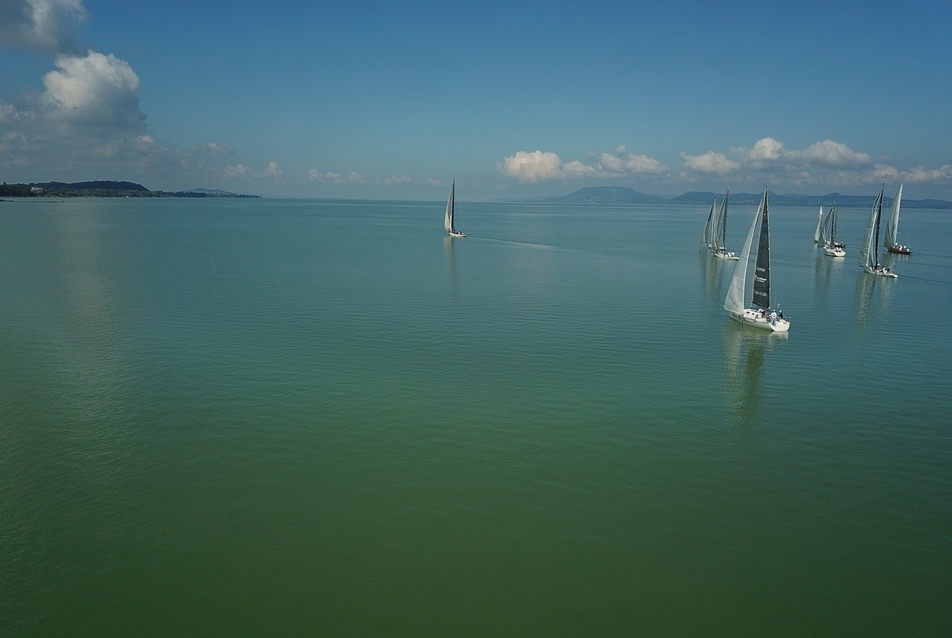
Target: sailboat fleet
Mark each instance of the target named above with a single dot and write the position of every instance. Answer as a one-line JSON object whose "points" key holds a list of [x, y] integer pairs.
{"points": [[757, 310]]}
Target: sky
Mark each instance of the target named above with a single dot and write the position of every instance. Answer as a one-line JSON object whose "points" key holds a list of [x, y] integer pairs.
{"points": [[384, 100]]}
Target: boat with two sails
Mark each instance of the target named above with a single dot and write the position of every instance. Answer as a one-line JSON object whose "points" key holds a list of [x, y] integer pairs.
{"points": [[891, 239], [449, 220], [758, 314]]}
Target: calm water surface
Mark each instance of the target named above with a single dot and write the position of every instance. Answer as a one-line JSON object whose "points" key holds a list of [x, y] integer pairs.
{"points": [[278, 417]]}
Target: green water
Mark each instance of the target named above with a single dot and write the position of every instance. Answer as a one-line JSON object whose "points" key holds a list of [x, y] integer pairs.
{"points": [[282, 417]]}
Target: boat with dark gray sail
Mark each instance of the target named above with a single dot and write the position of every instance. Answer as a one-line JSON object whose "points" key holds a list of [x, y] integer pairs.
{"points": [[759, 313], [869, 250]]}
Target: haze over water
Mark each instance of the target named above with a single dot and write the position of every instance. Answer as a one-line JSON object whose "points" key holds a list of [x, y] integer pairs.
{"points": [[250, 417]]}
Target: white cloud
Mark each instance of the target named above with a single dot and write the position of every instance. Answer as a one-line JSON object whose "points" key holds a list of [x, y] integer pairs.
{"points": [[824, 164], [540, 166], [532, 167], [832, 154], [710, 162], [324, 178], [42, 26], [918, 174], [93, 89], [272, 172]]}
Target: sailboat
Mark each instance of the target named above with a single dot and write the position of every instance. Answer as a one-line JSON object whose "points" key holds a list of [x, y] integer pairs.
{"points": [[759, 314], [719, 232], [832, 247], [819, 223], [448, 220], [892, 227], [869, 251]]}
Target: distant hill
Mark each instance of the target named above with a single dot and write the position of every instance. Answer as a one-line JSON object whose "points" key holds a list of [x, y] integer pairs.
{"points": [[89, 186], [103, 188], [609, 195]]}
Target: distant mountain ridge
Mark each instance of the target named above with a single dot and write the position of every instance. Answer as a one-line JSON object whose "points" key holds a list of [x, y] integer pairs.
{"points": [[625, 195], [609, 195]]}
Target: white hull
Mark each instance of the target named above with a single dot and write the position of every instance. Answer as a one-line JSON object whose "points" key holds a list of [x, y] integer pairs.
{"points": [[835, 252], [882, 272], [751, 317], [456, 233], [727, 256]]}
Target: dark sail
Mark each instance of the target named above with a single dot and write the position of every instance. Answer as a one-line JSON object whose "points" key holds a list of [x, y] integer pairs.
{"points": [[879, 217], [761, 296]]}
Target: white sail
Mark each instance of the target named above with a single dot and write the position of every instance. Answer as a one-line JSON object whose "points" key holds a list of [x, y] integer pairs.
{"points": [[736, 295], [819, 222], [719, 228], [708, 225], [892, 223], [450, 205], [826, 228], [868, 253]]}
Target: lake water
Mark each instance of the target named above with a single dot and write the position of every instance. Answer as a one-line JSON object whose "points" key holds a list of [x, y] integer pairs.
{"points": [[287, 417]]}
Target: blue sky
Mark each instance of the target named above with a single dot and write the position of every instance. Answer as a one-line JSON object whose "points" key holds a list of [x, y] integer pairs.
{"points": [[513, 99]]}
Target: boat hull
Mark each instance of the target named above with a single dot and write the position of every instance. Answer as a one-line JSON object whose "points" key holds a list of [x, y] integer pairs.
{"points": [[899, 250], [456, 233], [727, 256], [881, 272], [835, 252], [753, 318]]}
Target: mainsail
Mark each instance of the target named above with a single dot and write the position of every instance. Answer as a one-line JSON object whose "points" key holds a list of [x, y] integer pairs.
{"points": [[450, 205], [819, 223], [719, 234], [829, 228], [869, 251], [761, 297], [892, 222], [826, 228], [736, 294], [706, 235]]}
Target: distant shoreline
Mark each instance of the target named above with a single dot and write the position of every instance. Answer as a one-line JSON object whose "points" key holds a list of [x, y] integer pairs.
{"points": [[106, 188]]}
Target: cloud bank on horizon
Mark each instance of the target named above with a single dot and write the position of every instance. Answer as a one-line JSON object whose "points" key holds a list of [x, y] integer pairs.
{"points": [[87, 123], [822, 164]]}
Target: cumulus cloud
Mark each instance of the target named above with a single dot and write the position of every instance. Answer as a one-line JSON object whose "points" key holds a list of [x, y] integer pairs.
{"points": [[94, 89], [532, 167], [42, 26], [324, 178], [827, 163], [710, 162], [538, 166], [272, 172]]}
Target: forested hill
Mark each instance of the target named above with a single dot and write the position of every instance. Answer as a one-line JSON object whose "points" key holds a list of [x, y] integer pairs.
{"points": [[102, 188]]}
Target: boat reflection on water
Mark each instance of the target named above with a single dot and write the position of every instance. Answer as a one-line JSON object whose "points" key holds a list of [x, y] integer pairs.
{"points": [[712, 275], [871, 294], [450, 257], [744, 356]]}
